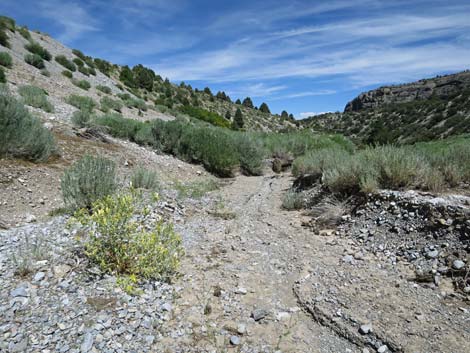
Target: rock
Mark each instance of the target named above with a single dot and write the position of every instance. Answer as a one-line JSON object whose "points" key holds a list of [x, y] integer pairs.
{"points": [[87, 343], [38, 277], [349, 259], [432, 254], [382, 349], [277, 165], [327, 232], [19, 347], [61, 270], [458, 264], [466, 289], [365, 329], [48, 125], [241, 329], [149, 339], [3, 225], [167, 307], [259, 314], [282, 316], [19, 292], [235, 340], [30, 218], [241, 290]]}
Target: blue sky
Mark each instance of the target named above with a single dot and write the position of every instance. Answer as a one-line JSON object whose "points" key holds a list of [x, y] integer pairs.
{"points": [[302, 56]]}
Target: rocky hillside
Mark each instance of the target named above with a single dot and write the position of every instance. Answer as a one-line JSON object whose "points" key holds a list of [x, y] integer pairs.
{"points": [[424, 110], [440, 87], [136, 92]]}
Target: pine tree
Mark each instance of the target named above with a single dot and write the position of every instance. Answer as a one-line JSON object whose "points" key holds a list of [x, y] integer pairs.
{"points": [[127, 77], [238, 120], [284, 115], [208, 91], [264, 108], [247, 102], [238, 101], [143, 77], [228, 116]]}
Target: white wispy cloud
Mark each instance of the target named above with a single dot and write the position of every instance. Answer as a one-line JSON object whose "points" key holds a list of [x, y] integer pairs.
{"points": [[72, 16], [390, 48], [322, 92], [256, 90]]}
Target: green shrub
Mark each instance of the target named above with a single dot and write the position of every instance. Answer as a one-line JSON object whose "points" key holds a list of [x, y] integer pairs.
{"points": [[25, 33], [104, 66], [78, 62], [252, 154], [8, 23], [46, 73], [67, 74], [207, 116], [120, 127], [4, 38], [144, 135], [104, 89], [196, 189], [3, 78], [79, 54], [22, 135], [212, 147], [144, 179], [121, 244], [36, 48], [293, 200], [82, 118], [83, 70], [5, 59], [34, 60], [83, 84], [81, 102], [428, 166], [62, 60], [133, 102], [87, 180], [35, 97], [91, 71], [108, 104]]}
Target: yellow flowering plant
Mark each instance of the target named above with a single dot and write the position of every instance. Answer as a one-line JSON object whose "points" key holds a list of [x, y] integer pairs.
{"points": [[123, 238]]}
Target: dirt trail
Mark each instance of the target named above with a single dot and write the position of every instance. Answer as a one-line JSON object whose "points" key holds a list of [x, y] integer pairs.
{"points": [[260, 251], [264, 259]]}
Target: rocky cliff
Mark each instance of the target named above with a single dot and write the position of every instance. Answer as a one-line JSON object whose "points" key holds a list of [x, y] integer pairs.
{"points": [[441, 86]]}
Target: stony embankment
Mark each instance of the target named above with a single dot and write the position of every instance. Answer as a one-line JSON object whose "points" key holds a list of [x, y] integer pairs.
{"points": [[256, 279]]}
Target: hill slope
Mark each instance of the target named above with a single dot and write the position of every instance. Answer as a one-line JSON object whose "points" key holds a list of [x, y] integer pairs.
{"points": [[143, 94], [424, 110]]}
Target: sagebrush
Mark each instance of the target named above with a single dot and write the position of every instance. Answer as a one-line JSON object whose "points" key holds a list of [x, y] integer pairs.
{"points": [[87, 180], [23, 135], [35, 97]]}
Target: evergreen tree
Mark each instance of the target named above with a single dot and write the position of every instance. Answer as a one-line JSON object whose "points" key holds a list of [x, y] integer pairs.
{"points": [[208, 91], [291, 117], [247, 102], [143, 77], [127, 77], [284, 115], [264, 108], [228, 116], [238, 120], [221, 95], [238, 101]]}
